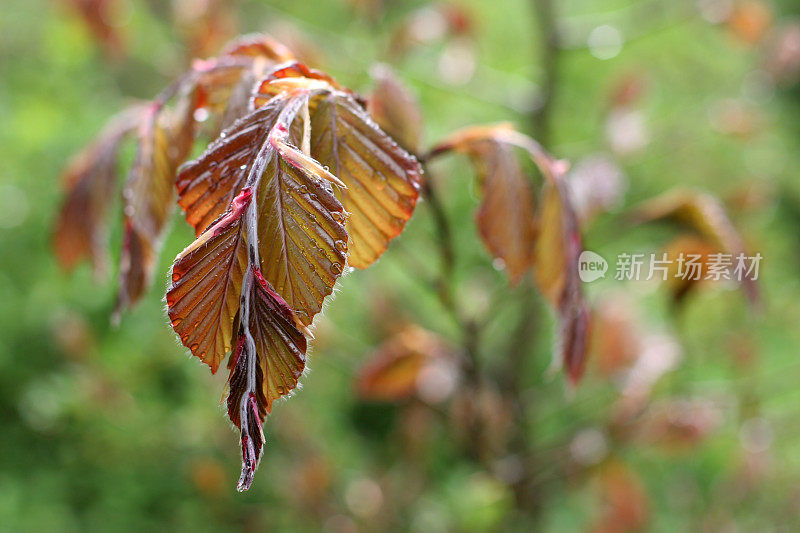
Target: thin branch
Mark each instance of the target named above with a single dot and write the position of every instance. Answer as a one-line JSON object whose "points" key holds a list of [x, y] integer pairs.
{"points": [[547, 48]]}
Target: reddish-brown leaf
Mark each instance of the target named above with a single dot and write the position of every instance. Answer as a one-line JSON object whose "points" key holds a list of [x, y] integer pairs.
{"points": [[207, 185], [301, 223], [687, 246], [705, 216], [165, 140], [395, 108], [553, 247], [89, 182], [268, 360], [102, 20], [204, 25], [254, 279], [382, 179], [506, 217], [413, 361], [206, 283], [258, 45]]}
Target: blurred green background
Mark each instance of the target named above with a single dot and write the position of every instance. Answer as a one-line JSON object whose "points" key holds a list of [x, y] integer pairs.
{"points": [[116, 429]]}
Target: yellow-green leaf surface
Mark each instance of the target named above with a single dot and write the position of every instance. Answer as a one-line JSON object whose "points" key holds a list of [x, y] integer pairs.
{"points": [[382, 179]]}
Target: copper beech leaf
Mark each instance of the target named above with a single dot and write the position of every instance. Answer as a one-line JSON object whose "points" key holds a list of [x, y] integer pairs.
{"points": [[414, 361], [395, 108], [704, 215], [165, 139], [506, 217], [165, 135], [268, 361], [545, 237], [224, 296], [89, 183], [556, 272], [206, 284], [301, 223], [382, 179]]}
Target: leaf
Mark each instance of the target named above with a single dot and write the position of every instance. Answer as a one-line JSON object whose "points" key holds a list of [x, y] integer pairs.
{"points": [[687, 246], [550, 240], [224, 297], [165, 139], [395, 109], [556, 273], [203, 25], [506, 217], [258, 45], [301, 233], [206, 283], [382, 179], [268, 361], [298, 214], [705, 216], [89, 182], [207, 185], [102, 18], [412, 362], [627, 504]]}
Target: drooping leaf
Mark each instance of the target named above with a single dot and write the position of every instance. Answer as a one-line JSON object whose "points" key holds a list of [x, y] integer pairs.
{"points": [[381, 180], [268, 360], [505, 218], [302, 237], [89, 182], [556, 270], [412, 362], [548, 240], [680, 282], [207, 185], [165, 140], [225, 83], [278, 334], [300, 222], [703, 214], [204, 25], [102, 18], [395, 109], [255, 278], [206, 283]]}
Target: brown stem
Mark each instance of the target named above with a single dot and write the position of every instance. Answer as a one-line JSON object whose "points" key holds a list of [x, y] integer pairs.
{"points": [[548, 47], [444, 240]]}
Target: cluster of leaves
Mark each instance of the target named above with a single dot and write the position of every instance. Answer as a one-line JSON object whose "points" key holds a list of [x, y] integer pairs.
{"points": [[298, 184]]}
